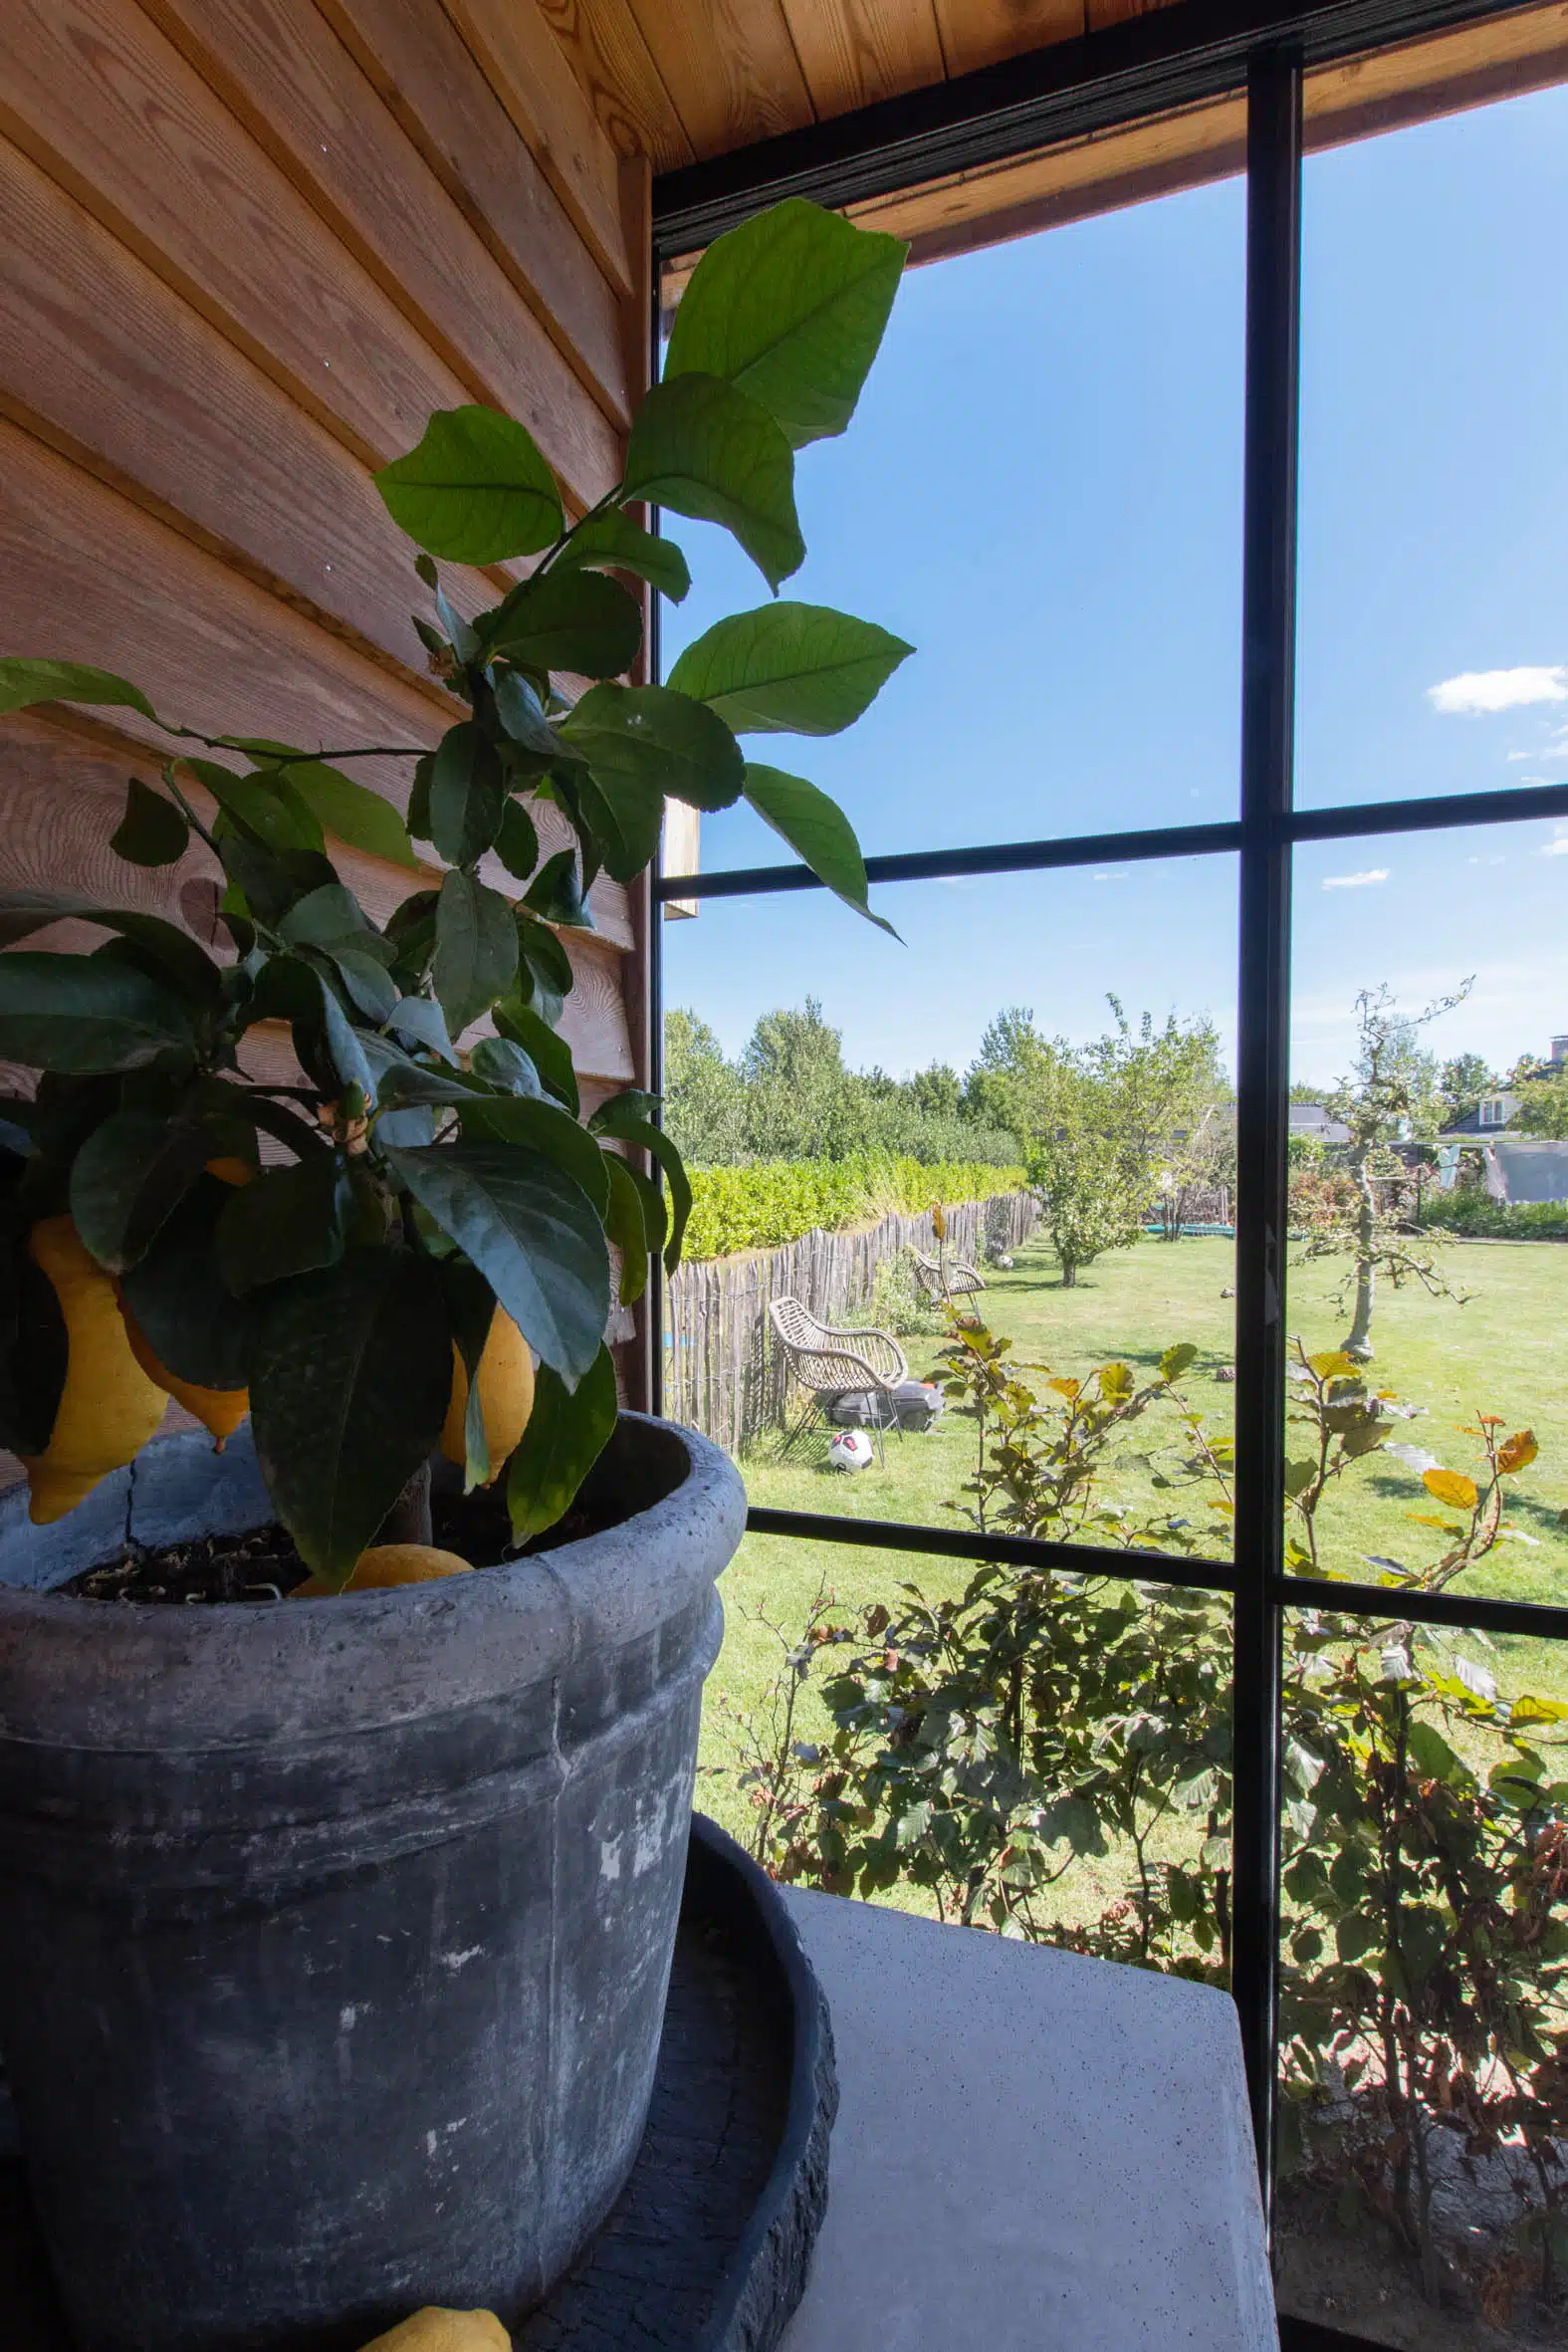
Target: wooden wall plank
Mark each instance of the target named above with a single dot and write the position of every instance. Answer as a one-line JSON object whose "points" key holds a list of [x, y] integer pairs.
{"points": [[106, 105], [104, 360], [208, 647], [979, 33], [731, 67], [284, 74], [604, 43], [413, 54], [62, 795], [531, 76], [854, 52]]}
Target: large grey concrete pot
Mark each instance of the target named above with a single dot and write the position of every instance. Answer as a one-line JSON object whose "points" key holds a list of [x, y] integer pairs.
{"points": [[334, 1936]]}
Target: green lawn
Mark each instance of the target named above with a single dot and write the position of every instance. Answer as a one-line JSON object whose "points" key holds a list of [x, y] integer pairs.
{"points": [[1502, 1353]]}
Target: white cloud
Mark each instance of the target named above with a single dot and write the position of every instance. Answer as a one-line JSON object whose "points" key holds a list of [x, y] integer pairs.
{"points": [[1557, 849], [1487, 861], [1477, 691], [1363, 881]]}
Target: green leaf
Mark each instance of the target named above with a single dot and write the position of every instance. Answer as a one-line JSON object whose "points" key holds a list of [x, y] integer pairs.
{"points": [[351, 1375], [471, 1304], [476, 951], [187, 964], [349, 811], [475, 491], [191, 1321], [468, 793], [704, 448], [818, 831], [128, 1179], [555, 897], [612, 539], [24, 682], [544, 1128], [502, 1063], [623, 812], [419, 799], [567, 1432], [288, 1220], [81, 1016], [624, 1117], [532, 1232], [264, 805], [626, 1225], [794, 669], [567, 620], [660, 740], [152, 831], [792, 305], [517, 843], [522, 714], [549, 1053], [1177, 1360], [420, 1022]]}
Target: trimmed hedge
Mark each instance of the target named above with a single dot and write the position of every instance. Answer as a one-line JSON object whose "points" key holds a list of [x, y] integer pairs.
{"points": [[1502, 1221], [770, 1202]]}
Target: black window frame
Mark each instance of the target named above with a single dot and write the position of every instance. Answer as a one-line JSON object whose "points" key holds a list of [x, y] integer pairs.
{"points": [[1203, 49]]}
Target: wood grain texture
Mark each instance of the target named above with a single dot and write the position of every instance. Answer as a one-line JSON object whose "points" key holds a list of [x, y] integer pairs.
{"points": [[284, 74], [979, 33], [854, 52], [62, 793], [604, 43], [103, 359], [730, 66], [107, 107], [531, 73], [427, 76]]}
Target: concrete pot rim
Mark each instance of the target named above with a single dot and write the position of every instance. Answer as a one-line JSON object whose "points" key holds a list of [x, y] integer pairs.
{"points": [[140, 1676]]}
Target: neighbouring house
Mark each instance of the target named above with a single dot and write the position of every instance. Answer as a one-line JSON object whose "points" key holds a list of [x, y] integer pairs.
{"points": [[1489, 1117], [1312, 1118]]}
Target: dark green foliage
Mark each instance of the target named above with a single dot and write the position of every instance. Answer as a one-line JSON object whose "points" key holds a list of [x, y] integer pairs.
{"points": [[422, 1189]]}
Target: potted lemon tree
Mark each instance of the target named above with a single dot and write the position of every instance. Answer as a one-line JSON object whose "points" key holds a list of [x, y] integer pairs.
{"points": [[334, 1937]]}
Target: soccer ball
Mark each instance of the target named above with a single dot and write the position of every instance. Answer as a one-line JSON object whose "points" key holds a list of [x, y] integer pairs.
{"points": [[849, 1449]]}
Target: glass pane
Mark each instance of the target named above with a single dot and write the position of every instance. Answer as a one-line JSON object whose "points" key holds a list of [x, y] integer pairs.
{"points": [[1422, 2198], [1449, 1459], [1040, 491], [1433, 600], [829, 1084], [1110, 1702]]}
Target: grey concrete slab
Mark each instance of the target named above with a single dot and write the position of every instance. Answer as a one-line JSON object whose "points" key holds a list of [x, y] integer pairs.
{"points": [[1035, 2152]]}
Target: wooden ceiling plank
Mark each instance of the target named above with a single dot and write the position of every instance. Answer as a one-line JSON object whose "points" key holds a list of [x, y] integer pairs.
{"points": [[104, 361], [107, 107], [979, 33], [428, 79], [530, 72], [731, 67], [611, 58], [855, 52]]}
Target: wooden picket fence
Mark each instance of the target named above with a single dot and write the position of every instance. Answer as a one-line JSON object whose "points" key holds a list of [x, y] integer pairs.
{"points": [[724, 1373]]}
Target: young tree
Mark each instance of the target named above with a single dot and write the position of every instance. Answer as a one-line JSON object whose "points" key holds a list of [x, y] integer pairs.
{"points": [[1088, 1206], [1389, 1095]]}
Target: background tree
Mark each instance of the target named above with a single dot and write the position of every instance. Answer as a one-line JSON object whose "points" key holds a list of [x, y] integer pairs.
{"points": [[704, 1093], [1543, 1104], [1464, 1082]]}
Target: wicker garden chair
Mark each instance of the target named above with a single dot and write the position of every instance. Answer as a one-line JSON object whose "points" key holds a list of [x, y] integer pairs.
{"points": [[943, 1281], [829, 1364]]}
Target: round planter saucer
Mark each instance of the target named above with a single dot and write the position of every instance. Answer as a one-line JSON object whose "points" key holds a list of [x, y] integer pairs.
{"points": [[708, 2248]]}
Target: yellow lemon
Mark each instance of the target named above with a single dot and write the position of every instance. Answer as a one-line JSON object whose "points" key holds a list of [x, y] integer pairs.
{"points": [[506, 1394], [433, 2330], [109, 1408], [385, 1564]]}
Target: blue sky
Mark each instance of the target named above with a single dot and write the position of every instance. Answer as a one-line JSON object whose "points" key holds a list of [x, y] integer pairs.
{"points": [[1041, 492]]}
